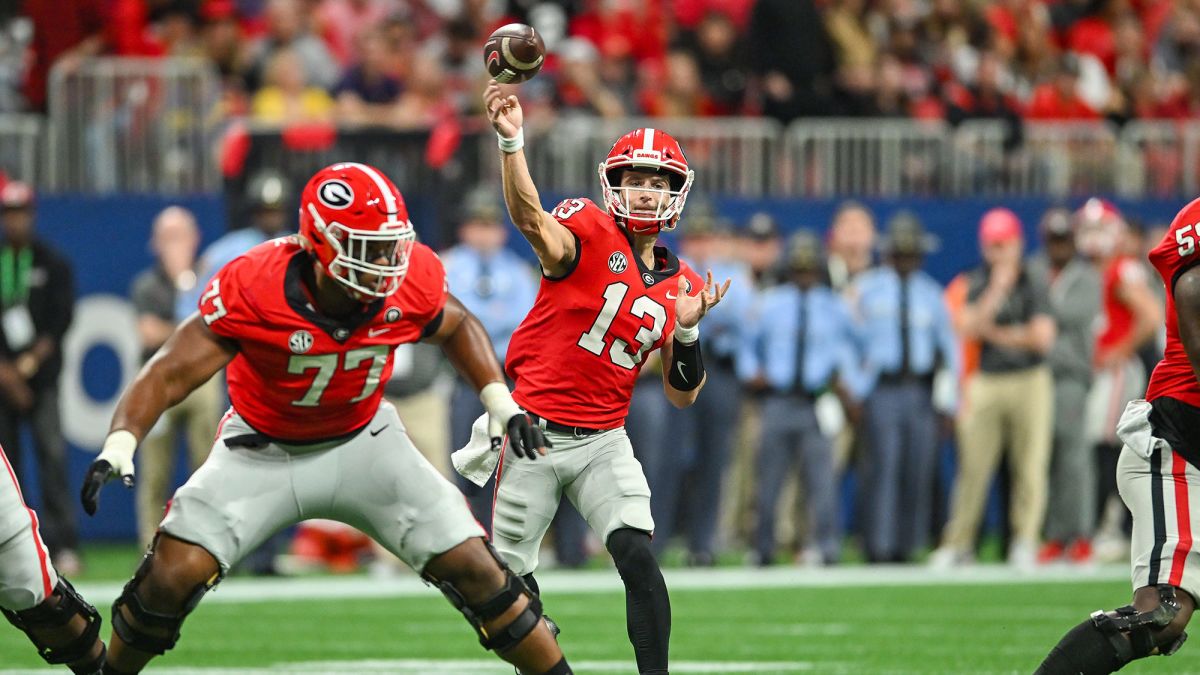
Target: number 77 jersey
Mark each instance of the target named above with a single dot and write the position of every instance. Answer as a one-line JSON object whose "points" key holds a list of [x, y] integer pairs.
{"points": [[576, 355], [302, 376], [1175, 254]]}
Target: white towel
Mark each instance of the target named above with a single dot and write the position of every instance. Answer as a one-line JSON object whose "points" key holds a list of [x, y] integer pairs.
{"points": [[476, 460], [1134, 429]]}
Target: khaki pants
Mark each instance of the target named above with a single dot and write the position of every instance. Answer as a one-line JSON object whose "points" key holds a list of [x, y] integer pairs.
{"points": [[1018, 409], [427, 417], [199, 415]]}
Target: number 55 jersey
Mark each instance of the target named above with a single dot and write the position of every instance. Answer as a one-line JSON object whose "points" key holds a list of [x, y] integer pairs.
{"points": [[576, 355], [1178, 252], [299, 375]]}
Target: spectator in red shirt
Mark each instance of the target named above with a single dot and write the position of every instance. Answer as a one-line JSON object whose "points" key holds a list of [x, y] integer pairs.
{"points": [[70, 30], [1058, 98], [1095, 34]]}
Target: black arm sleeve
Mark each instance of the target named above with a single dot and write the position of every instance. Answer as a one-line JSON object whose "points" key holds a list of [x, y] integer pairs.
{"points": [[687, 366]]}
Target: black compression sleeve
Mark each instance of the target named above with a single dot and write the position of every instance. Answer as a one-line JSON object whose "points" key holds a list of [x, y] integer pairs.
{"points": [[687, 367]]}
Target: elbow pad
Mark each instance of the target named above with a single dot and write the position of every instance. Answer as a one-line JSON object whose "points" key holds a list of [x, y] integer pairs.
{"points": [[687, 367]]}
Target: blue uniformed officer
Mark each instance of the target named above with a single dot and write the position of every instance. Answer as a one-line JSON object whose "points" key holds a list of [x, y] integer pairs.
{"points": [[908, 342], [803, 345], [687, 470]]}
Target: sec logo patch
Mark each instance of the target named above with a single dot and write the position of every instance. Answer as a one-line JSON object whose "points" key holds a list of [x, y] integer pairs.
{"points": [[300, 342], [617, 262]]}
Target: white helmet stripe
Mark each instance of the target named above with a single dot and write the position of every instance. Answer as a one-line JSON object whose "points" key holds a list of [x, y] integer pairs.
{"points": [[648, 139], [389, 200]]}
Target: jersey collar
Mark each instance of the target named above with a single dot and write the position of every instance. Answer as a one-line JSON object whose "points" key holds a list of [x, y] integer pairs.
{"points": [[293, 289], [666, 264]]}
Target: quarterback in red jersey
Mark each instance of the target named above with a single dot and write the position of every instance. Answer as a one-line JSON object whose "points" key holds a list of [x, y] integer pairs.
{"points": [[1158, 475], [608, 297], [305, 327]]}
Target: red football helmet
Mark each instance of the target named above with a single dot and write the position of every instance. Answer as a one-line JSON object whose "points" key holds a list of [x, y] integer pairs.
{"points": [[1099, 227], [646, 149], [352, 217]]}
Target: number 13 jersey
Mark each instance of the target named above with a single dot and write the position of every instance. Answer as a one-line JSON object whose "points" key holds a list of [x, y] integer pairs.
{"points": [[576, 355], [1175, 254]]}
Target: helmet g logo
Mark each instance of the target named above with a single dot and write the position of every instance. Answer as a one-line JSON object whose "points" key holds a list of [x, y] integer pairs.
{"points": [[335, 194], [617, 262]]}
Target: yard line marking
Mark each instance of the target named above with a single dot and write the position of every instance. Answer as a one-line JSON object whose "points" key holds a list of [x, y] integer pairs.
{"points": [[473, 667], [253, 590]]}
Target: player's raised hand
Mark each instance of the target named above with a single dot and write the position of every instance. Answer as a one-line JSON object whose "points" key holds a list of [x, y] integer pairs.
{"points": [[116, 459], [689, 309], [503, 110]]}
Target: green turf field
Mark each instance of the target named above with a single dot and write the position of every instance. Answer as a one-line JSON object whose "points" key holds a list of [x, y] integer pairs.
{"points": [[851, 619]]}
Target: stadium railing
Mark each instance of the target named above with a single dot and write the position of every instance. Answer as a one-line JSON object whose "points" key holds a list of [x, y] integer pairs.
{"points": [[20, 147], [154, 126], [735, 156], [134, 125]]}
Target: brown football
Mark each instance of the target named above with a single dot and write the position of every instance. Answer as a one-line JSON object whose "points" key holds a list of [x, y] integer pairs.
{"points": [[514, 53]]}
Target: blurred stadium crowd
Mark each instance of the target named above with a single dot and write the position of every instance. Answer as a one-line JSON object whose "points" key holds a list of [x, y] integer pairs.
{"points": [[410, 63]]}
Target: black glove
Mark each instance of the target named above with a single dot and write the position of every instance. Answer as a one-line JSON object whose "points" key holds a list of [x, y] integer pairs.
{"points": [[99, 473], [525, 437]]}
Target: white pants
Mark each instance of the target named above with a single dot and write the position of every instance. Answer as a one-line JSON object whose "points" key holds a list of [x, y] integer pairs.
{"points": [[26, 575], [598, 473], [1162, 491], [376, 481]]}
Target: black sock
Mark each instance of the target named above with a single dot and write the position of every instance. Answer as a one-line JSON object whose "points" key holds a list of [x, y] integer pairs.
{"points": [[1082, 650], [92, 667], [647, 606], [532, 583]]}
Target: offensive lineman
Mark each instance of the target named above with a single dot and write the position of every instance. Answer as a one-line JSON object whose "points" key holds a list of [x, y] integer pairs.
{"points": [[608, 297], [1158, 476], [46, 607], [306, 326]]}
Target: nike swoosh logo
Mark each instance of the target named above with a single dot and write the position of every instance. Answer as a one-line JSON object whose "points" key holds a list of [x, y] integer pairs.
{"points": [[376, 432], [670, 295], [377, 331], [679, 367]]}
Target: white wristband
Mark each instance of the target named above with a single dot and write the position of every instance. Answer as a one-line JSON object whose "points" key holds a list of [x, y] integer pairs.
{"points": [[498, 400], [511, 145], [687, 335], [118, 451]]}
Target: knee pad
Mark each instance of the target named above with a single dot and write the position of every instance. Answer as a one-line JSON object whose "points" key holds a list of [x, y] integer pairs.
{"points": [[42, 617], [134, 633], [504, 638], [632, 554], [1140, 627]]}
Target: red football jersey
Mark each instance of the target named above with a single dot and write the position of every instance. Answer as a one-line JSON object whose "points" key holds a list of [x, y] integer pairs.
{"points": [[577, 353], [1118, 318], [299, 375], [1176, 253]]}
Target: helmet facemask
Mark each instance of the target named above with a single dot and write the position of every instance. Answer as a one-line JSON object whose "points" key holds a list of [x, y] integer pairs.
{"points": [[670, 204], [355, 253]]}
